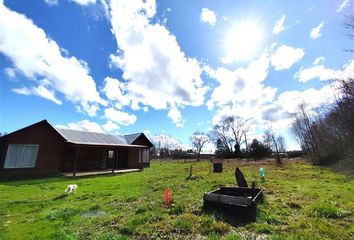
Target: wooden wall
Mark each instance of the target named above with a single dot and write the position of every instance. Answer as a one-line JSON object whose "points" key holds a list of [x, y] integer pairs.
{"points": [[49, 151], [133, 158], [55, 155]]}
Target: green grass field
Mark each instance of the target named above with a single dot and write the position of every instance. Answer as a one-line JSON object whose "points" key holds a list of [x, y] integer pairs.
{"points": [[301, 202]]}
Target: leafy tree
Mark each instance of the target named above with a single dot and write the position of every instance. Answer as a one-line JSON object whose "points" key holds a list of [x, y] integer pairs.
{"points": [[259, 150]]}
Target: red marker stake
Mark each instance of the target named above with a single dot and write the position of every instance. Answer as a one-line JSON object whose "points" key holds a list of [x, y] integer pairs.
{"points": [[168, 197]]}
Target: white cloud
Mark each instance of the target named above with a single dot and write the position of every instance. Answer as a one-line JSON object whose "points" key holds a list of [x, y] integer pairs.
{"points": [[114, 91], [154, 77], [10, 72], [166, 141], [209, 147], [316, 31], [284, 57], [279, 113], [208, 16], [344, 4], [319, 71], [83, 2], [122, 118], [279, 26], [241, 86], [241, 92], [39, 58], [312, 7], [86, 108], [51, 2], [319, 60], [323, 73], [84, 125], [40, 91], [175, 115], [109, 126], [147, 132]]}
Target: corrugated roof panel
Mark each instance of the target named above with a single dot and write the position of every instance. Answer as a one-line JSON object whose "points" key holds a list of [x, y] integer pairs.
{"points": [[132, 137], [81, 137]]}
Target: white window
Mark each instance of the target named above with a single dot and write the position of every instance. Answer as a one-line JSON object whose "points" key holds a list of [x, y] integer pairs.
{"points": [[144, 155], [21, 156], [110, 154]]}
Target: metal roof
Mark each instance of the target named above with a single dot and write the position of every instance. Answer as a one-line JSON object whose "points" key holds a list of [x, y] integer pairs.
{"points": [[132, 137], [93, 138]]}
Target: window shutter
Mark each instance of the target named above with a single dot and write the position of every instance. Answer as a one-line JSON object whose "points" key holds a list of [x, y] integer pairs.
{"points": [[21, 156]]}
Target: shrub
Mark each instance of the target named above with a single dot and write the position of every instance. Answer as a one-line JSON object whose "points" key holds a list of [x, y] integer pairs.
{"points": [[63, 214], [328, 211], [141, 209], [177, 209], [295, 154]]}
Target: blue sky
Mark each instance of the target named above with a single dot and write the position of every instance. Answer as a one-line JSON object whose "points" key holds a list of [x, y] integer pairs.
{"points": [[168, 67]]}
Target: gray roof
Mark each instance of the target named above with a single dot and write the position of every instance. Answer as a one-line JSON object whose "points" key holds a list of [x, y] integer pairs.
{"points": [[132, 137], [92, 138]]}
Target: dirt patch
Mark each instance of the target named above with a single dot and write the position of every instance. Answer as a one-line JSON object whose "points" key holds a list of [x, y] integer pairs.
{"points": [[94, 214]]}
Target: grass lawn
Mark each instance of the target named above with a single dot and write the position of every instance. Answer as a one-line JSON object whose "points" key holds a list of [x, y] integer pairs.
{"points": [[301, 202]]}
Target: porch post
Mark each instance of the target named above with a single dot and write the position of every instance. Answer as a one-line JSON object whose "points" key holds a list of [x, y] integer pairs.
{"points": [[113, 160], [75, 162]]}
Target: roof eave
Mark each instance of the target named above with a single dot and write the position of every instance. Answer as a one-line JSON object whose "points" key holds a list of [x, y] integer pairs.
{"points": [[106, 145]]}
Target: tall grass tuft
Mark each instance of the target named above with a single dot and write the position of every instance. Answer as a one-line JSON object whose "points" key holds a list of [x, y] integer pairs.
{"points": [[328, 211]]}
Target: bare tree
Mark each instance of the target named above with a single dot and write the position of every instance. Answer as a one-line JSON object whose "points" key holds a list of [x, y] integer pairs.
{"points": [[199, 139], [327, 135], [247, 147], [302, 129], [239, 128], [229, 133], [163, 144], [272, 142], [221, 134], [349, 25], [280, 140]]}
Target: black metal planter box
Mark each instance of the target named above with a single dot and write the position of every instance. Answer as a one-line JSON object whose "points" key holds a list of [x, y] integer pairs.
{"points": [[233, 204]]}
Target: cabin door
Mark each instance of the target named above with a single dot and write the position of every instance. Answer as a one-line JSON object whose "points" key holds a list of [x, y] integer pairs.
{"points": [[110, 157], [122, 158]]}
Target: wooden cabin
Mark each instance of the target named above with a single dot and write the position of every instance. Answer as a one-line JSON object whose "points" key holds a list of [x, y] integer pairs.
{"points": [[43, 150]]}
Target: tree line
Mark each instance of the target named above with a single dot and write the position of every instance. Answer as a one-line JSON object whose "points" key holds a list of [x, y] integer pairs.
{"points": [[326, 134], [229, 136], [231, 141]]}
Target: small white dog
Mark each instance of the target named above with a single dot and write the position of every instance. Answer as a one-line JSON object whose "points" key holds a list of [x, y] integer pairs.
{"points": [[71, 188]]}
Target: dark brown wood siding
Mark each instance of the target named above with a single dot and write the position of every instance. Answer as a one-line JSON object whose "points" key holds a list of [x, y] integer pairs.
{"points": [[133, 158], [55, 155], [48, 156], [142, 140]]}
